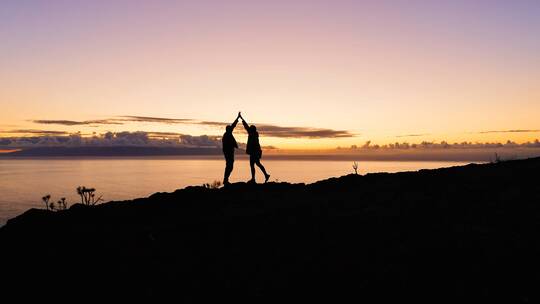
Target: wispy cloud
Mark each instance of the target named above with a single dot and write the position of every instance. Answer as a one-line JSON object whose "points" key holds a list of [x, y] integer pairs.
{"points": [[156, 119], [302, 132], [267, 130], [77, 123], [35, 132], [212, 123], [510, 131], [413, 135], [119, 120], [164, 134]]}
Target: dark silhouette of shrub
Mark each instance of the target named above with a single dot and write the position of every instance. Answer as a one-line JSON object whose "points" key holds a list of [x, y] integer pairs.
{"points": [[88, 196], [60, 205], [214, 185], [355, 167], [45, 200]]}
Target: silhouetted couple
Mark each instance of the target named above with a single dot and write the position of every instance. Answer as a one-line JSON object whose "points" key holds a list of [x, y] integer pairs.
{"points": [[253, 149]]}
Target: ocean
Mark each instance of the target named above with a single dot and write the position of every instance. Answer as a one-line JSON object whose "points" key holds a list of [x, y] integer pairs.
{"points": [[24, 181]]}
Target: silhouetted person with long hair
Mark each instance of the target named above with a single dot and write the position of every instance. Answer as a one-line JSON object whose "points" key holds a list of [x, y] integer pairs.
{"points": [[228, 145], [254, 150]]}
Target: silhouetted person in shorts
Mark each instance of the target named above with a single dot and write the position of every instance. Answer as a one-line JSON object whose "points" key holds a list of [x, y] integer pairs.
{"points": [[254, 150], [228, 146]]}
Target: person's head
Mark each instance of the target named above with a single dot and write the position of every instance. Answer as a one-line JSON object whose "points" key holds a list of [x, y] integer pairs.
{"points": [[228, 128], [252, 128]]}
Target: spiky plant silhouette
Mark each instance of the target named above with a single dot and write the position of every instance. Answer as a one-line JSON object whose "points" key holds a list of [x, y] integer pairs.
{"points": [[355, 167], [214, 185], [45, 200], [88, 196], [60, 205]]}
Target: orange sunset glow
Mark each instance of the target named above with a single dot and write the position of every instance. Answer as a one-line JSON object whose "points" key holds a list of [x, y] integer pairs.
{"points": [[378, 72]]}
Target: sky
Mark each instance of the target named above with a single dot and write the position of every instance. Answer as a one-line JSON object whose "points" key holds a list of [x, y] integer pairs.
{"points": [[311, 74]]}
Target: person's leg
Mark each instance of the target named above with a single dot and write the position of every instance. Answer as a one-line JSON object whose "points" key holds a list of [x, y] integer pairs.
{"points": [[266, 175], [228, 170], [252, 167], [229, 165]]}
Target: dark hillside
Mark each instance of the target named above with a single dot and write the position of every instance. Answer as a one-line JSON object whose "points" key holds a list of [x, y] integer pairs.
{"points": [[449, 235]]}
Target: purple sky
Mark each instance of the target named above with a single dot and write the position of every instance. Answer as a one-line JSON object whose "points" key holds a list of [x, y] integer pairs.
{"points": [[379, 69]]}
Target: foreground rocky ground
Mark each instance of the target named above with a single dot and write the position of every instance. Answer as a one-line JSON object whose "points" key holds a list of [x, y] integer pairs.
{"points": [[446, 235]]}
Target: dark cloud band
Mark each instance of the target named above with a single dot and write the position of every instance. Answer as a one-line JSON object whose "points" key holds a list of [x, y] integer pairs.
{"points": [[77, 123], [413, 135], [510, 131], [35, 132], [156, 119], [302, 132], [267, 130]]}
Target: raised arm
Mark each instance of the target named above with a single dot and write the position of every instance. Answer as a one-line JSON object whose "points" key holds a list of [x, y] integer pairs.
{"points": [[246, 126], [235, 121], [233, 125]]}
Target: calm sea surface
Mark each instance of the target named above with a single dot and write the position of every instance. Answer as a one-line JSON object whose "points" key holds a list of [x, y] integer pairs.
{"points": [[24, 181]]}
